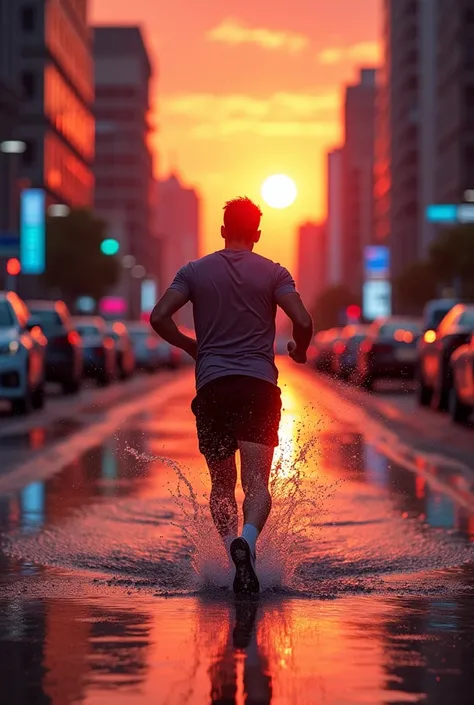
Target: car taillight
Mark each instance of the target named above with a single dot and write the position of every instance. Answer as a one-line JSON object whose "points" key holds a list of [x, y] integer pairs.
{"points": [[339, 348], [429, 337], [73, 337], [108, 343]]}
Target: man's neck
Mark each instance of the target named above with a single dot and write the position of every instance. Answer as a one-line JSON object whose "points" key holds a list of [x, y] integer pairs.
{"points": [[238, 245]]}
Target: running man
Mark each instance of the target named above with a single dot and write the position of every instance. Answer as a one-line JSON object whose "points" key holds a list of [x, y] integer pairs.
{"points": [[235, 293]]}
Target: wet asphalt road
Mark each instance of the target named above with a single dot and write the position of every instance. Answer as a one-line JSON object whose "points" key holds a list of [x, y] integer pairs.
{"points": [[114, 588]]}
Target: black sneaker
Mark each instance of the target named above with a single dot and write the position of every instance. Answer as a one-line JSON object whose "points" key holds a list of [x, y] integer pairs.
{"points": [[245, 581]]}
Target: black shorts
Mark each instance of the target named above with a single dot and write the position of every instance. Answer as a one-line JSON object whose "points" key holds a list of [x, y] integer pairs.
{"points": [[236, 408]]}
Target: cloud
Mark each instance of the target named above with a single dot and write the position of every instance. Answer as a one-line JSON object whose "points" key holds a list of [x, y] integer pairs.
{"points": [[233, 32], [362, 52], [207, 116]]}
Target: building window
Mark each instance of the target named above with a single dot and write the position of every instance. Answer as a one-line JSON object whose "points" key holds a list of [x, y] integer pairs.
{"points": [[28, 18], [29, 155], [28, 83]]}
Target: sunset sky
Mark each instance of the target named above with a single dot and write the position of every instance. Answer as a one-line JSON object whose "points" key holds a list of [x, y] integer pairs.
{"points": [[250, 88]]}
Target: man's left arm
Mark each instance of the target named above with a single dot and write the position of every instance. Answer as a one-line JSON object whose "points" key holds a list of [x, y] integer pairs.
{"points": [[161, 319]]}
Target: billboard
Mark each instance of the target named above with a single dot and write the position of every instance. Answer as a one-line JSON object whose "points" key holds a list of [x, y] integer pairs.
{"points": [[377, 299], [376, 262], [33, 231]]}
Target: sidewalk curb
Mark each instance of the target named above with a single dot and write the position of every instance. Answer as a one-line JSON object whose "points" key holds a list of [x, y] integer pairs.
{"points": [[47, 463]]}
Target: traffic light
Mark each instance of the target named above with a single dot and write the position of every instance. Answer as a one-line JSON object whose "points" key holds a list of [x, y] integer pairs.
{"points": [[109, 246], [353, 312], [13, 267]]}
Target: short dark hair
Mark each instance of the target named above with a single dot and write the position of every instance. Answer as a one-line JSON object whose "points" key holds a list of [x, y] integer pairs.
{"points": [[241, 217]]}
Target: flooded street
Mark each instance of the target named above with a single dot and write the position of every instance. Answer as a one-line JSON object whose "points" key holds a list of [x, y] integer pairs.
{"points": [[115, 587]]}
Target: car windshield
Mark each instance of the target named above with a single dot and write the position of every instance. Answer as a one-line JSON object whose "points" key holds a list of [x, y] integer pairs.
{"points": [[6, 315], [86, 330], [467, 319], [438, 315], [49, 318]]}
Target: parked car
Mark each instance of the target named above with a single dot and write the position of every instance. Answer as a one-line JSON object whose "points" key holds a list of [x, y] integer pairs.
{"points": [[388, 351], [461, 398], [64, 355], [151, 352], [22, 356], [435, 371], [346, 350], [125, 356], [433, 314], [324, 342], [99, 349]]}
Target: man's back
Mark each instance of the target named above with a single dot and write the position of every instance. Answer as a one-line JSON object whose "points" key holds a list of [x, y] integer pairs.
{"points": [[234, 294]]}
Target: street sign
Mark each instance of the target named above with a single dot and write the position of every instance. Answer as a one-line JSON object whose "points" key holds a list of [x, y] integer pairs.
{"points": [[33, 231], [466, 213], [377, 299], [377, 262], [442, 213]]}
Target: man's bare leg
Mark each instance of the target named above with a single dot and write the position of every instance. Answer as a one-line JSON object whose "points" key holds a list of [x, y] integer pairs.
{"points": [[222, 501], [256, 463]]}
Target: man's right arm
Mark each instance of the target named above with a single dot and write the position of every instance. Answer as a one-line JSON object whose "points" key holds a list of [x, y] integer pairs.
{"points": [[302, 325]]}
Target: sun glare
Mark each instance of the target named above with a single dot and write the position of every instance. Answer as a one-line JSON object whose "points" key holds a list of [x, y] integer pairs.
{"points": [[279, 191]]}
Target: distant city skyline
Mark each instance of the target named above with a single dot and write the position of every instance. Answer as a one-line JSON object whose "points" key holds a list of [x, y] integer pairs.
{"points": [[247, 90]]}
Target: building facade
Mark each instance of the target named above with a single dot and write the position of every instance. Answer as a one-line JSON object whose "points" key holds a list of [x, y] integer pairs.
{"points": [[124, 166], [53, 73], [358, 176], [311, 274], [9, 107], [334, 222], [178, 218], [455, 100]]}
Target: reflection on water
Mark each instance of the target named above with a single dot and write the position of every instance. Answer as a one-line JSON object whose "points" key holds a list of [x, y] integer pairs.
{"points": [[354, 651]]}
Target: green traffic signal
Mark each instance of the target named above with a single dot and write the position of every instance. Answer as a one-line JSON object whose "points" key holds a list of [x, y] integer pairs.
{"points": [[109, 247]]}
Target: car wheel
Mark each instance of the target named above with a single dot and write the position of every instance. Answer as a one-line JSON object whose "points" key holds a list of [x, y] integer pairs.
{"points": [[37, 398], [71, 387], [440, 401], [23, 406], [459, 412], [424, 394]]}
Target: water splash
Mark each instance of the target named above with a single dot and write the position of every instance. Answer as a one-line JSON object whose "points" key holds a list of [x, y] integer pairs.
{"points": [[298, 504]]}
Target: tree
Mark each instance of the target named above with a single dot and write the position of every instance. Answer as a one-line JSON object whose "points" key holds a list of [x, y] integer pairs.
{"points": [[452, 259], [75, 265], [330, 305], [416, 286]]}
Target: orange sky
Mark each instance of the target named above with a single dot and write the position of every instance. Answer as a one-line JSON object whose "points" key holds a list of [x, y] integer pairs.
{"points": [[249, 88]]}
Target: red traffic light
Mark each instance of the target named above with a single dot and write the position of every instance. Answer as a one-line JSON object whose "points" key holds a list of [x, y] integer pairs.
{"points": [[353, 312], [13, 267]]}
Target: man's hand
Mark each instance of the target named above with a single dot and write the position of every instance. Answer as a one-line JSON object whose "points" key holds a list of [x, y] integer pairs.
{"points": [[295, 353]]}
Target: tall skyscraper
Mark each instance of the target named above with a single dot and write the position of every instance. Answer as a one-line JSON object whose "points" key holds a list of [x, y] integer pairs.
{"points": [[455, 125], [52, 69], [179, 230], [357, 178], [123, 165], [9, 106], [406, 156], [311, 276], [334, 222]]}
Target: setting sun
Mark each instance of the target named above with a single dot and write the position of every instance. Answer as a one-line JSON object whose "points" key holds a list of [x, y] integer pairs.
{"points": [[279, 191]]}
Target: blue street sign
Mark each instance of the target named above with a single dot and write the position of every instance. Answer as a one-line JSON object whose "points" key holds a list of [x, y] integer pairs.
{"points": [[33, 231], [442, 213], [377, 262]]}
